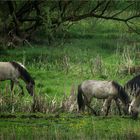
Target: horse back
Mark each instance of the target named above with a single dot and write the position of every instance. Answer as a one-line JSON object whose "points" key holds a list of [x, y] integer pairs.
{"points": [[7, 71], [98, 89]]}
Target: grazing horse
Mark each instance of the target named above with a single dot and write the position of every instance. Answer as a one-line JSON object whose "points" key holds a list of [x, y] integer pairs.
{"points": [[13, 71], [133, 88], [107, 90]]}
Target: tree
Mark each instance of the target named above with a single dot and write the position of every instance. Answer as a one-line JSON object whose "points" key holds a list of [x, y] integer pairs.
{"points": [[20, 19]]}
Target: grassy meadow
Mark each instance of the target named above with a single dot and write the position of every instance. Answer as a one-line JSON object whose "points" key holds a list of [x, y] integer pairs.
{"points": [[90, 50]]}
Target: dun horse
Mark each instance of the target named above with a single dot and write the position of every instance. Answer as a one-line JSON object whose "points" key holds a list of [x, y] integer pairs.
{"points": [[13, 71], [133, 88], [107, 90]]}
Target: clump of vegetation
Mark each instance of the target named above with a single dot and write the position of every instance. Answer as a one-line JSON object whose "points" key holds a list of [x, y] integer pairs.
{"points": [[128, 61], [39, 103]]}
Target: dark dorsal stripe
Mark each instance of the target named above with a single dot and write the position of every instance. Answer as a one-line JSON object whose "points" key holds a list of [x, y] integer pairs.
{"points": [[121, 92], [23, 72], [133, 85]]}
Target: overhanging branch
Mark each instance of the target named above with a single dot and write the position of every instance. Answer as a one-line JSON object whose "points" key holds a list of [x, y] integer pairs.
{"points": [[130, 27], [118, 13]]}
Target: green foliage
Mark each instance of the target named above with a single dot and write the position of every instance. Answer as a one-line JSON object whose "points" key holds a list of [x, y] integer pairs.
{"points": [[21, 20], [68, 126]]}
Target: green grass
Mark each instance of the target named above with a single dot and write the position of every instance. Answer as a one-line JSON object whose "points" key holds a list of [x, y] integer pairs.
{"points": [[55, 69], [70, 126]]}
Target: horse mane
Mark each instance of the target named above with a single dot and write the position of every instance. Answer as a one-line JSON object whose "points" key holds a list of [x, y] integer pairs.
{"points": [[133, 84], [121, 92], [23, 72]]}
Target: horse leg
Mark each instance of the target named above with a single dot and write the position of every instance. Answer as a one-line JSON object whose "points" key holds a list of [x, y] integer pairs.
{"points": [[106, 106], [83, 107], [12, 95], [21, 87], [93, 111], [12, 85], [118, 105], [87, 103]]}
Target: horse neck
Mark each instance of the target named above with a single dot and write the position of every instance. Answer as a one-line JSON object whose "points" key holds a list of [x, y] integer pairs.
{"points": [[124, 97], [26, 81], [25, 76]]}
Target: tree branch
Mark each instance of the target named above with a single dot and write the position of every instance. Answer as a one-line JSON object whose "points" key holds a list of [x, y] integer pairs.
{"points": [[28, 19], [132, 17], [80, 17], [118, 13], [132, 28], [105, 8], [27, 8], [97, 6], [12, 13]]}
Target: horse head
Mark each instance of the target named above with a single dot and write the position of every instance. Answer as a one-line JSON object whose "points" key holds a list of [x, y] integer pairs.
{"points": [[126, 101], [133, 112], [30, 87], [126, 108], [134, 107]]}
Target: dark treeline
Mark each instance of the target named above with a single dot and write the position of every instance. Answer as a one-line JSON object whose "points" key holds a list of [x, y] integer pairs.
{"points": [[20, 20]]}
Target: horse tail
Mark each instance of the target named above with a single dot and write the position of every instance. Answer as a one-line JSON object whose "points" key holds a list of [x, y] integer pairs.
{"points": [[80, 99]]}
